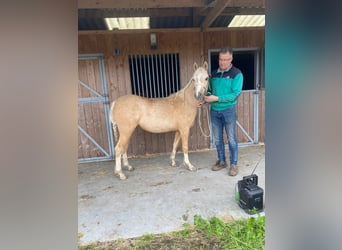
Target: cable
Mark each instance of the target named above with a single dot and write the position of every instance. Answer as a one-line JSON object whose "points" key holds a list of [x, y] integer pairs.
{"points": [[256, 165]]}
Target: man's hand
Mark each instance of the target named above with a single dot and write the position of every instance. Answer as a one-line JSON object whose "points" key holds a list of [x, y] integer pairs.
{"points": [[211, 98]]}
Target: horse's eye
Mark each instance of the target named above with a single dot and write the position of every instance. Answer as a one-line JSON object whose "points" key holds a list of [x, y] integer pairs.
{"points": [[206, 78]]}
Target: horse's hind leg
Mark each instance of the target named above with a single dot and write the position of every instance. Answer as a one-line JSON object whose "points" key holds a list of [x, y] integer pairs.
{"points": [[126, 163], [121, 149], [185, 137], [174, 149], [118, 154], [118, 169]]}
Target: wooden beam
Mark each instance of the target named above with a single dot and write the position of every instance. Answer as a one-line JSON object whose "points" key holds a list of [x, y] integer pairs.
{"points": [[214, 12], [247, 3], [153, 12], [242, 11], [194, 12], [239, 3], [126, 4], [231, 11], [174, 30]]}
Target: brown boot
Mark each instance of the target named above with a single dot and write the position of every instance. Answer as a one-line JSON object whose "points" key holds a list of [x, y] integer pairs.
{"points": [[219, 165], [233, 170]]}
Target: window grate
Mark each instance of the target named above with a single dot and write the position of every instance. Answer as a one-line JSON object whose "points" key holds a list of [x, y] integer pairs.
{"points": [[154, 76]]}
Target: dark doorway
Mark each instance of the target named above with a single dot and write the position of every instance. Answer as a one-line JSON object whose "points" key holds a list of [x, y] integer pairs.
{"points": [[245, 60]]}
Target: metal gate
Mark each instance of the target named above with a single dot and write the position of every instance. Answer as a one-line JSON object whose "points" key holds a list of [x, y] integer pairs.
{"points": [[248, 119], [95, 138]]}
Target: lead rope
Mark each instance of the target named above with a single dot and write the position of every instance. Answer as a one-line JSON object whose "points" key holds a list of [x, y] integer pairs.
{"points": [[199, 121]]}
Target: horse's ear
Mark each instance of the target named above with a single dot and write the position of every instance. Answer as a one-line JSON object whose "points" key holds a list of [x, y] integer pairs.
{"points": [[195, 66], [205, 65]]}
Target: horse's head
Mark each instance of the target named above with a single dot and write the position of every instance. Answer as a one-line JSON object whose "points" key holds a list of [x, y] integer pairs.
{"points": [[200, 80]]}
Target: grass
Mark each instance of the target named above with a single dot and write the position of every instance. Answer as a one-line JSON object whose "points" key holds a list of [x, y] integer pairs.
{"points": [[213, 234], [241, 234]]}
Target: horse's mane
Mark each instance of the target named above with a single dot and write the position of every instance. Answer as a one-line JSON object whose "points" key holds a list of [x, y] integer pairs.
{"points": [[180, 93]]}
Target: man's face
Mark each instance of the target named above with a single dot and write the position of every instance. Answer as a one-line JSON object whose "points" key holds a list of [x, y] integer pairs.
{"points": [[225, 60]]}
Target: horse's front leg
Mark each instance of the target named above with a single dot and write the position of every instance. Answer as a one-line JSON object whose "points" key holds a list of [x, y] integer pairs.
{"points": [[174, 149], [185, 138]]}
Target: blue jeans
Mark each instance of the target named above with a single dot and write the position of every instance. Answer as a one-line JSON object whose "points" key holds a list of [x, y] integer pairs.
{"points": [[225, 119]]}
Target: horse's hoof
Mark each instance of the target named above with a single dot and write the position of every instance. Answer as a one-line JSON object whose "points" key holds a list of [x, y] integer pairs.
{"points": [[193, 169], [190, 167], [120, 175], [130, 168], [173, 164]]}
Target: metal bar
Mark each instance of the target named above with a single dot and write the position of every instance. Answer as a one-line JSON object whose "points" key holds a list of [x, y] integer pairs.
{"points": [[177, 74], [144, 82], [168, 74], [89, 56], [256, 116], [88, 88], [158, 77], [244, 131], [249, 90], [172, 84], [93, 141], [131, 63], [137, 75], [164, 70], [91, 99], [257, 68], [161, 76], [153, 79], [176, 64], [135, 66], [245, 144], [172, 73], [135, 71], [256, 97], [148, 76], [141, 91], [93, 159], [106, 108]]}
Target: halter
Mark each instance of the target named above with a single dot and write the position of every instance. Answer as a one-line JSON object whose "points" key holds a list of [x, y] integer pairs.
{"points": [[203, 89]]}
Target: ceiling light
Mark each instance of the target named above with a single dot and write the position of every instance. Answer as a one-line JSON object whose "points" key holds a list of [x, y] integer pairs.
{"points": [[247, 21], [128, 23]]}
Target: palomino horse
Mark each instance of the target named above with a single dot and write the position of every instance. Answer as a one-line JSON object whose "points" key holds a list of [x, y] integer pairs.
{"points": [[176, 112]]}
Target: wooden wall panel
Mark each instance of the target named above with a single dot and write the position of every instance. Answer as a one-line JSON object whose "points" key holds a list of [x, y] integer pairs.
{"points": [[192, 46]]}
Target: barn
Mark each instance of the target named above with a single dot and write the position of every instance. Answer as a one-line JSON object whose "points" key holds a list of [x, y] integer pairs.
{"points": [[148, 48]]}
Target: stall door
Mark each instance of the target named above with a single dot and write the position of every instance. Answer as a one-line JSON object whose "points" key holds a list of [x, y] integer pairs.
{"points": [[95, 140]]}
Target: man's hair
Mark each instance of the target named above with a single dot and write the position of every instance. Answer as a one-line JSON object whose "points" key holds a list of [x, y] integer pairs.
{"points": [[226, 50]]}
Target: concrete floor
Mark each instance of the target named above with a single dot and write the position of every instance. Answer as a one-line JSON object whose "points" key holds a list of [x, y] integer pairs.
{"points": [[157, 198]]}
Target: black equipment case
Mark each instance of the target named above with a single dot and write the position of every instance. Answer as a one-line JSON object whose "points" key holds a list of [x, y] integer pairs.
{"points": [[250, 194]]}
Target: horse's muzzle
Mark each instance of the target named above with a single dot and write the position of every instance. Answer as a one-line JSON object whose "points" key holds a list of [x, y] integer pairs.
{"points": [[199, 96]]}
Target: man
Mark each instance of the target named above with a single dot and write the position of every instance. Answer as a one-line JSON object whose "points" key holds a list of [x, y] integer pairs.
{"points": [[224, 89]]}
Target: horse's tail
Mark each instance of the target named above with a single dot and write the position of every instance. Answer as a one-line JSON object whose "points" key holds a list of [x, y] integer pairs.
{"points": [[112, 119]]}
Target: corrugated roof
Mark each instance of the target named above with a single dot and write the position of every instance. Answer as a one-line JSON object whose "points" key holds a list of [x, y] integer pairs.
{"points": [[206, 14]]}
